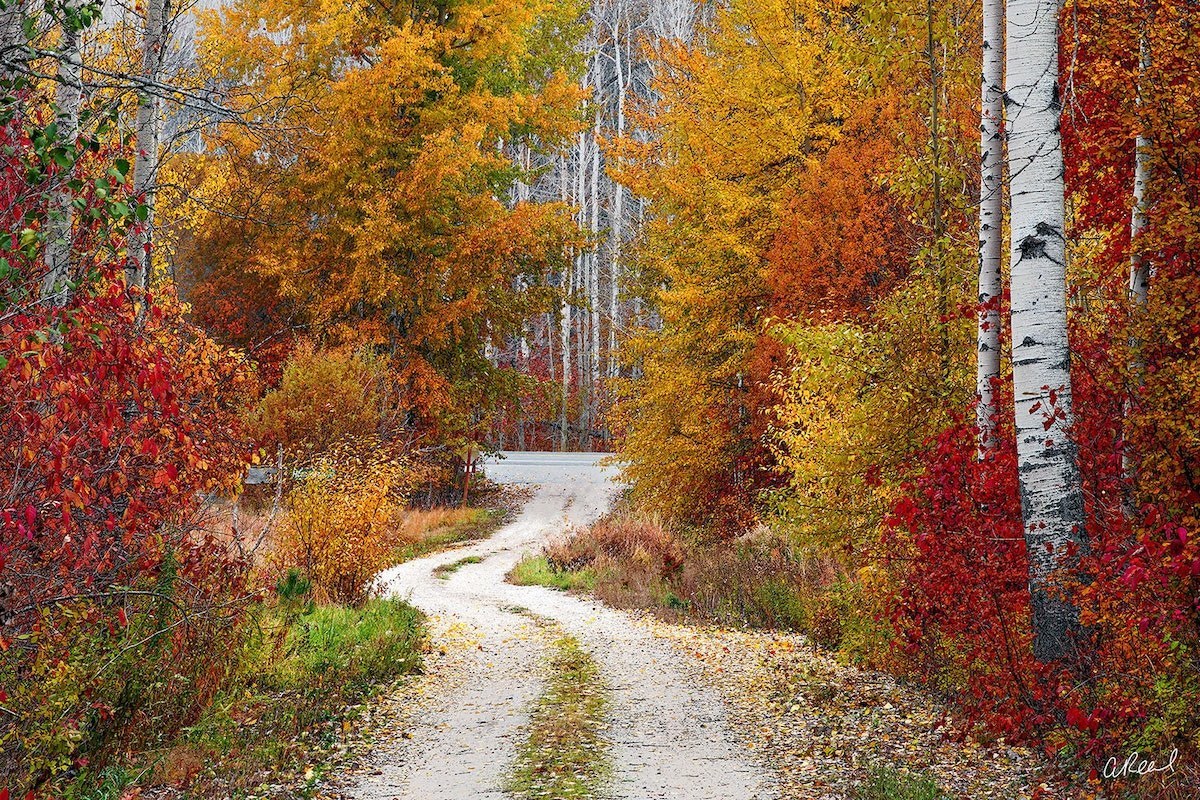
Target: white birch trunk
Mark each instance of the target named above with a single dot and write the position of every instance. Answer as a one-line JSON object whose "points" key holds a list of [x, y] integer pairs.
{"points": [[1051, 495], [594, 269], [146, 159], [1140, 267], [13, 47], [991, 216], [583, 372], [67, 99], [616, 217], [564, 328]]}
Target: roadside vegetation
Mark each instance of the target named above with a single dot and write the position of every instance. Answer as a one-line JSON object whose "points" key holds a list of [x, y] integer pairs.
{"points": [[237, 661], [536, 570], [759, 580], [564, 754], [296, 693], [891, 784]]}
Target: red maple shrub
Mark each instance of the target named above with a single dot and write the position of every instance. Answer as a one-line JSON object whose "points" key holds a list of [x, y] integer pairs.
{"points": [[955, 542], [117, 419]]}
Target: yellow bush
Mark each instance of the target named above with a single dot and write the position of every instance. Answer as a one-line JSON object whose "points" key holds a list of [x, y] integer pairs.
{"points": [[343, 520]]}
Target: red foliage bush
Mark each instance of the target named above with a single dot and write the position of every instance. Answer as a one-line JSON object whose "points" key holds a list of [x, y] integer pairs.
{"points": [[955, 541], [117, 419]]}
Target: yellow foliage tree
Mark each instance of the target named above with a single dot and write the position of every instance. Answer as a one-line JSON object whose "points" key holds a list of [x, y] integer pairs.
{"points": [[740, 115], [366, 201]]}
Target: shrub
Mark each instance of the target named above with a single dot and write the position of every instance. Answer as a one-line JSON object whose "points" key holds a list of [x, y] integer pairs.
{"points": [[342, 522], [758, 579], [117, 418], [299, 672]]}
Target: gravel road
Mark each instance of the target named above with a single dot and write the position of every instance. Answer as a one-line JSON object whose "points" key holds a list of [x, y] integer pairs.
{"points": [[667, 731]]}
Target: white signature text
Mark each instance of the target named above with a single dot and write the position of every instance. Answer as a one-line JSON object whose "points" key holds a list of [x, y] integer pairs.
{"points": [[1136, 765]]}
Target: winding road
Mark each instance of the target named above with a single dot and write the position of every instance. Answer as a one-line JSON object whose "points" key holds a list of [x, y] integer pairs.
{"points": [[667, 733]]}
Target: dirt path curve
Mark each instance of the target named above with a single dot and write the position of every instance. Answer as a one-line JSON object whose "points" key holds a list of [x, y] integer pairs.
{"points": [[668, 733]]}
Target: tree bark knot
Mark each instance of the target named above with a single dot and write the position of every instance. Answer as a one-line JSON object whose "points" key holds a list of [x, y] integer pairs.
{"points": [[1034, 245]]}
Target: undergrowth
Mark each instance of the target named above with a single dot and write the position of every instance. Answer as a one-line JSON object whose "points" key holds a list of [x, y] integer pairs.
{"points": [[758, 580], [301, 675]]}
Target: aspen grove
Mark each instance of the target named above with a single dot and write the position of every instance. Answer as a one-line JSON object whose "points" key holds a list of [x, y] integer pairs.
{"points": [[901, 292]]}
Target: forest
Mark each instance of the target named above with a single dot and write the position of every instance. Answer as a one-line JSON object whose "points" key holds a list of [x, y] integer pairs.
{"points": [[884, 313]]}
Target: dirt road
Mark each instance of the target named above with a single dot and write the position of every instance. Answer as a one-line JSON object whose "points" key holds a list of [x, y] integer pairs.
{"points": [[668, 734]]}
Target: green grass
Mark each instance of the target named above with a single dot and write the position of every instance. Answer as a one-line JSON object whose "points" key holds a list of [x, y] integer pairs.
{"points": [[537, 571], [886, 783], [564, 756], [299, 682], [446, 570]]}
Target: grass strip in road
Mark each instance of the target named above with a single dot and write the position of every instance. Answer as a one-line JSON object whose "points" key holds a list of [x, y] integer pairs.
{"points": [[446, 570], [537, 571], [564, 756]]}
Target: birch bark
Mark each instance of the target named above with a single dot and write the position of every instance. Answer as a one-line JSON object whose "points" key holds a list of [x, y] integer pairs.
{"points": [[1140, 267], [991, 216], [13, 47], [146, 159], [594, 264], [67, 99], [1051, 494], [616, 216]]}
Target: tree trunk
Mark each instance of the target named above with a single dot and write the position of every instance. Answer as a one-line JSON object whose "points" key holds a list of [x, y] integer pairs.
{"points": [[616, 217], [13, 47], [1051, 495], [67, 99], [594, 273], [146, 161], [991, 217], [1139, 266], [564, 329], [582, 384]]}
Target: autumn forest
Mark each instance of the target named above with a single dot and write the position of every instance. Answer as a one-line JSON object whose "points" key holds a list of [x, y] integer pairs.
{"points": [[882, 315]]}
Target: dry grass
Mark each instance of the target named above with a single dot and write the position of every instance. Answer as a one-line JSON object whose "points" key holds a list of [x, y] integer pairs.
{"points": [[632, 561], [419, 525]]}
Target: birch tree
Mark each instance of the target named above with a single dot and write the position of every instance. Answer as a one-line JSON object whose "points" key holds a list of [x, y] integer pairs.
{"points": [[991, 215], [13, 47], [67, 100], [146, 158], [617, 210], [1139, 265], [1051, 495]]}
